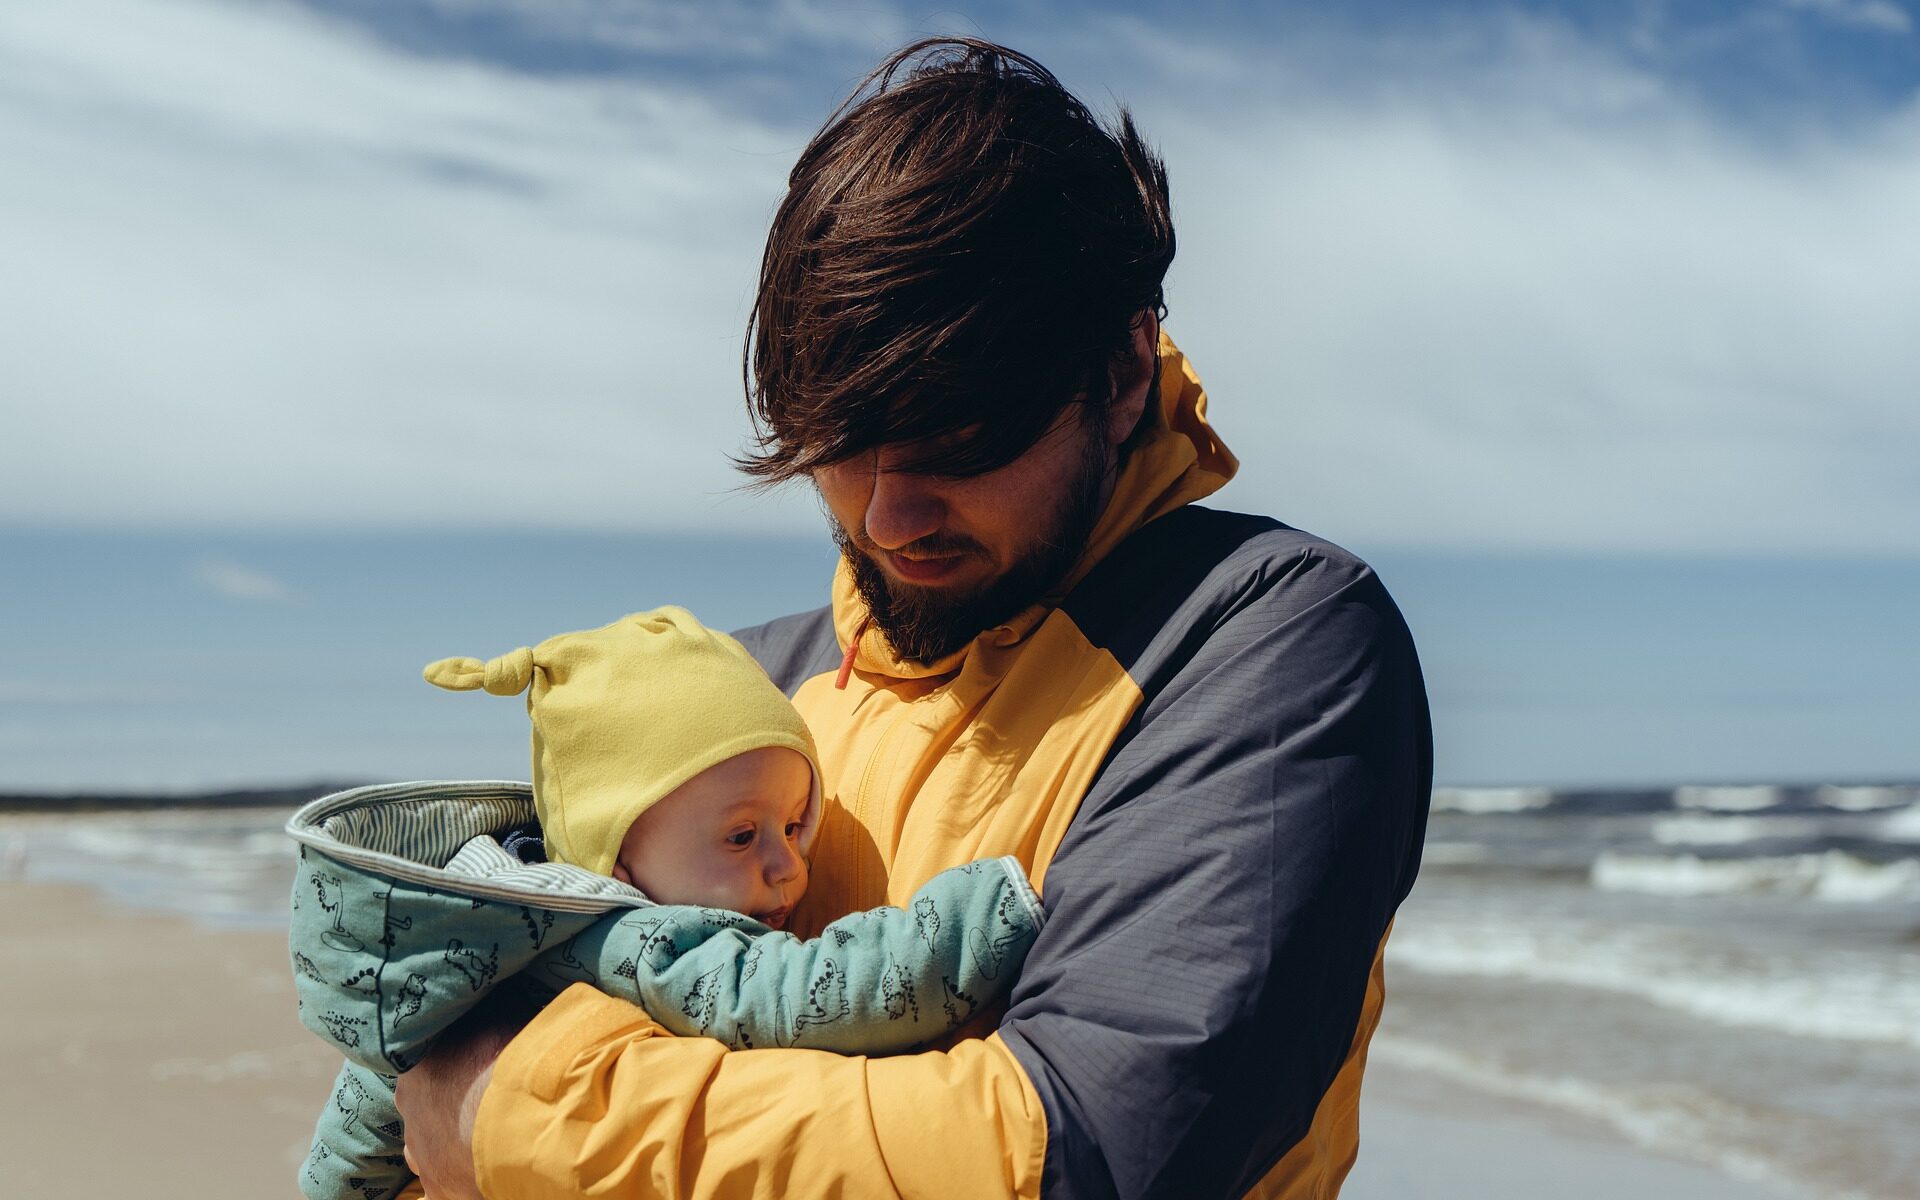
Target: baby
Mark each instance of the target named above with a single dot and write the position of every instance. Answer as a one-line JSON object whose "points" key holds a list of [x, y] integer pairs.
{"points": [[657, 856]]}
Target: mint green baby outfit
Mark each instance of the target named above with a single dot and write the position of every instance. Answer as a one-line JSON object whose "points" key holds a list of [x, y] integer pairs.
{"points": [[407, 912]]}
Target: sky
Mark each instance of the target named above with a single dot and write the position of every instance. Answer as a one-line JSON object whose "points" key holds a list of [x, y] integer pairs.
{"points": [[1635, 277], [1536, 283]]}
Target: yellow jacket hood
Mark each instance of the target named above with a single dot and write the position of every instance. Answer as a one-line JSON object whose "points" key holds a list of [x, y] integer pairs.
{"points": [[1180, 459]]}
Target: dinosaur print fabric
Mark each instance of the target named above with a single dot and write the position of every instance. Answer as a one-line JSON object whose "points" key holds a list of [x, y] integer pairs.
{"points": [[407, 913]]}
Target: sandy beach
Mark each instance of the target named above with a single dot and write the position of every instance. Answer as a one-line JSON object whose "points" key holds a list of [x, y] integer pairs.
{"points": [[1421, 1138], [148, 1055], [151, 1055]]}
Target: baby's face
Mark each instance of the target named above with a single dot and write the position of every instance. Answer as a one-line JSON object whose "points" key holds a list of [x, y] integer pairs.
{"points": [[727, 838]]}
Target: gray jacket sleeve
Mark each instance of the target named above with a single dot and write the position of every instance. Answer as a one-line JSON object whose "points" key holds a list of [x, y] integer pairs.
{"points": [[1216, 906]]}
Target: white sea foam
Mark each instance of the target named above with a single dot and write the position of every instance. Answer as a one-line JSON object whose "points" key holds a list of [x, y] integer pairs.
{"points": [[1865, 799], [1704, 829], [1901, 825], [1826, 992], [221, 868], [1490, 800], [1727, 799], [1832, 876]]}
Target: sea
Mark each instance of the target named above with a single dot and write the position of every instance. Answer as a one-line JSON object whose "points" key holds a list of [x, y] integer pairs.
{"points": [[1723, 974]]}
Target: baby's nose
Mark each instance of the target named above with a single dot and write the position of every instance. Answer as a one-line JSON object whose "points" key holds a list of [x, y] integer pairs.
{"points": [[784, 864]]}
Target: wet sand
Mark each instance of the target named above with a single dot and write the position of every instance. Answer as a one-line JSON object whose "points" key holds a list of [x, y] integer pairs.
{"points": [[148, 1055], [1422, 1137]]}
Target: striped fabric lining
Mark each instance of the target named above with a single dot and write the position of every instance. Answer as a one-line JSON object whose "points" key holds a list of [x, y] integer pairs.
{"points": [[428, 829], [485, 858], [440, 834]]}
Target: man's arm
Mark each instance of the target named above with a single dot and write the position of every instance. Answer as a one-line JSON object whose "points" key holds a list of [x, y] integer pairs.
{"points": [[1214, 913], [439, 1098], [1217, 907]]}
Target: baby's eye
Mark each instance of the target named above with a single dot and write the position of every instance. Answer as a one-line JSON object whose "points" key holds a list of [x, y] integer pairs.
{"points": [[743, 839], [793, 829]]}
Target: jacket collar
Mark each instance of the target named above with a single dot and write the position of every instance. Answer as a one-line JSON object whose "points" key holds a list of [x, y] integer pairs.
{"points": [[1180, 459]]}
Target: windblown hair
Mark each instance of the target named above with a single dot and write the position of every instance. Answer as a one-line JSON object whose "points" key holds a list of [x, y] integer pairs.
{"points": [[963, 251]]}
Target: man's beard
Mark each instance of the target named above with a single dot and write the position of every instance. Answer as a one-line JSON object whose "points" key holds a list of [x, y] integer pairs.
{"points": [[924, 624]]}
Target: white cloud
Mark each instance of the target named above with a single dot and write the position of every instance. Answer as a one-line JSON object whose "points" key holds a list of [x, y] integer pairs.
{"points": [[1882, 15], [263, 270], [236, 582], [726, 28], [1501, 287], [1534, 299]]}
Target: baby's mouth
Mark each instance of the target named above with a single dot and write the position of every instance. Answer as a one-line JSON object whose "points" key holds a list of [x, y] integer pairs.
{"points": [[777, 919]]}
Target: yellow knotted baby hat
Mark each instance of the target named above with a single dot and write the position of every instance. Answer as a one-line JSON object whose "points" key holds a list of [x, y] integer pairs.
{"points": [[624, 714]]}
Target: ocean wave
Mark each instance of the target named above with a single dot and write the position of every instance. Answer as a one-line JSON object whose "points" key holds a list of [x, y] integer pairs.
{"points": [[1703, 829], [223, 869], [256, 849], [1902, 825], [1865, 799], [1833, 876], [1480, 801], [1825, 993], [1728, 799]]}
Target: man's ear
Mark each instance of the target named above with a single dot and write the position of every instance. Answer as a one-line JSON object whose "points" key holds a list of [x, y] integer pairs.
{"points": [[1133, 380]]}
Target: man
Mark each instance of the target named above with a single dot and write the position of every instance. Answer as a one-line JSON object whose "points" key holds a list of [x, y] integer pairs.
{"points": [[1204, 733]]}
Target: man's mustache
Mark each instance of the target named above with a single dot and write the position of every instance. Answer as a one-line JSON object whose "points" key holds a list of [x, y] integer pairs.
{"points": [[934, 545]]}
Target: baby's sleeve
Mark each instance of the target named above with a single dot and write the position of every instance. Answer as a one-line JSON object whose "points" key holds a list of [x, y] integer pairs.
{"points": [[875, 982]]}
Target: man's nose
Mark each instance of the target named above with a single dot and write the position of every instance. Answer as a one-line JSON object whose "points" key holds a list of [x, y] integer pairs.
{"points": [[902, 508]]}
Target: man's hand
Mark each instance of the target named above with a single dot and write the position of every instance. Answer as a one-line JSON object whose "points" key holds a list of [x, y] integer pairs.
{"points": [[439, 1099]]}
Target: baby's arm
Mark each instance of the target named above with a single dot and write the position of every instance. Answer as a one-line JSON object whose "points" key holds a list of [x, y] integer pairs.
{"points": [[875, 982], [357, 1151]]}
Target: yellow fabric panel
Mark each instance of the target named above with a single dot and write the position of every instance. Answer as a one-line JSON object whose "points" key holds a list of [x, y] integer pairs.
{"points": [[696, 1120], [1315, 1167], [920, 778], [992, 1117]]}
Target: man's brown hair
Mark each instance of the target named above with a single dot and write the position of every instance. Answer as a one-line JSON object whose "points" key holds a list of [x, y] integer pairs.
{"points": [[963, 250]]}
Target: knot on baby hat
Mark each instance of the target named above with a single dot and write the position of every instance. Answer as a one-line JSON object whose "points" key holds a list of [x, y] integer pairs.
{"points": [[507, 675], [624, 714]]}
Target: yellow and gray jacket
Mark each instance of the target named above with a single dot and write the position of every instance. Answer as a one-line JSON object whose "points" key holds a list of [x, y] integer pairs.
{"points": [[408, 912], [1212, 755]]}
